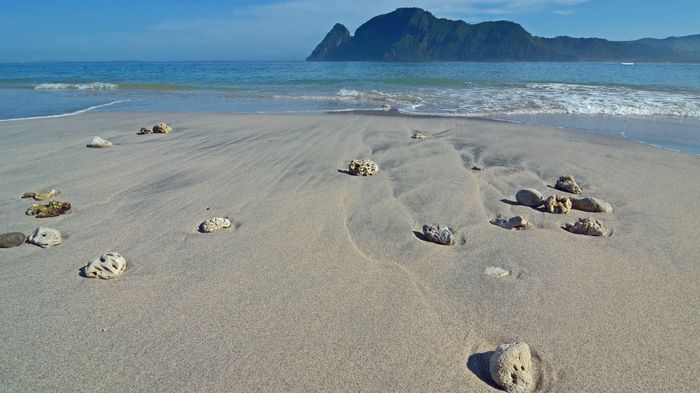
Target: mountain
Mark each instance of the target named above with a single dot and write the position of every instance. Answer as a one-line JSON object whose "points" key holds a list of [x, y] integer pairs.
{"points": [[413, 34]]}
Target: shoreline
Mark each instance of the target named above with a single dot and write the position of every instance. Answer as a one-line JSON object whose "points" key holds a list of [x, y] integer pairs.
{"points": [[322, 283]]}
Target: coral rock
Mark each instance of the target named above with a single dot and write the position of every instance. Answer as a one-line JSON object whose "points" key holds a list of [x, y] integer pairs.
{"points": [[108, 265], [51, 209], [495, 271], [587, 226], [162, 128], [12, 239], [41, 195], [529, 197], [99, 142], [594, 205], [215, 224], [439, 234], [517, 222], [568, 184], [511, 367], [363, 167], [418, 135], [144, 131], [45, 237], [558, 204]]}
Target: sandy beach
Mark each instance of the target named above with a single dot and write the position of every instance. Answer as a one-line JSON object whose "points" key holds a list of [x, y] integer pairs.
{"points": [[324, 284]]}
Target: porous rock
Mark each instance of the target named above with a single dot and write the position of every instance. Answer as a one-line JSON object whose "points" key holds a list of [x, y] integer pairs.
{"points": [[587, 226], [439, 234], [558, 204], [99, 142], [496, 271], [568, 184], [215, 224], [363, 167], [40, 195], [162, 128], [144, 131], [108, 265], [418, 135], [511, 367], [51, 209], [590, 204], [45, 237], [517, 222], [12, 239]]}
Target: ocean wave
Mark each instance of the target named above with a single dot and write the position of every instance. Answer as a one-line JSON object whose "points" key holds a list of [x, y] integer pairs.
{"points": [[88, 109], [76, 86]]}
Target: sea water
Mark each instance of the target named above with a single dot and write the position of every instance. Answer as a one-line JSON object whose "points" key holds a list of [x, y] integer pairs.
{"points": [[658, 104]]}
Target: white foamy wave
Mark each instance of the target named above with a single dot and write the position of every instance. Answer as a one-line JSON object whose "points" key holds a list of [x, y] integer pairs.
{"points": [[88, 109], [77, 86]]}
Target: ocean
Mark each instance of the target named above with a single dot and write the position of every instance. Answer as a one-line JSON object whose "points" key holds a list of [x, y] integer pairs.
{"points": [[656, 104]]}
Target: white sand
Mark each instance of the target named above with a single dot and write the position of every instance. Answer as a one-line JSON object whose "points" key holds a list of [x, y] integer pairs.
{"points": [[323, 286]]}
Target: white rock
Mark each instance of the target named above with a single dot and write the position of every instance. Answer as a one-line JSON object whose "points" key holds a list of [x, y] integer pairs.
{"points": [[45, 237], [517, 222], [215, 224], [511, 367], [99, 142], [495, 271], [108, 265]]}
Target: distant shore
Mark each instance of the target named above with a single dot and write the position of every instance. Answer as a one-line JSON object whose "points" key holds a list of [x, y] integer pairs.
{"points": [[324, 282]]}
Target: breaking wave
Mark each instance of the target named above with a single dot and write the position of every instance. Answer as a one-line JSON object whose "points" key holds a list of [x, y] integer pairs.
{"points": [[76, 86]]}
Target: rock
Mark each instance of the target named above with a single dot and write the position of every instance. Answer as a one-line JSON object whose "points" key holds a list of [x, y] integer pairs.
{"points": [[568, 184], [143, 131], [418, 135], [558, 204], [529, 197], [363, 167], [12, 239], [45, 237], [587, 226], [108, 265], [511, 367], [594, 205], [517, 222], [477, 168], [495, 271], [162, 128], [439, 234], [41, 195], [215, 224], [386, 107], [99, 142], [51, 209]]}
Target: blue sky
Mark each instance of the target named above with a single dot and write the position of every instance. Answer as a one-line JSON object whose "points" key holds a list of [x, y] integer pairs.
{"points": [[81, 30]]}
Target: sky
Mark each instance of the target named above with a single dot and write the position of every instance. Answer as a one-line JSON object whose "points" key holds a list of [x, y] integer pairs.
{"points": [[162, 30]]}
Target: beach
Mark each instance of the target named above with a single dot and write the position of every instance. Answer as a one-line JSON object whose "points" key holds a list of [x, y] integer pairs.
{"points": [[324, 282]]}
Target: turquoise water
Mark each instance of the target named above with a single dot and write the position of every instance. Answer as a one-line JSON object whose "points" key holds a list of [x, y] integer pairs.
{"points": [[653, 103]]}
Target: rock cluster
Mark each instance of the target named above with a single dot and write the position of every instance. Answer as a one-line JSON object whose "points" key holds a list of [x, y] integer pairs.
{"points": [[529, 197], [12, 239], [511, 367], [558, 204], [439, 234], [587, 226], [590, 204], [144, 131], [51, 209], [108, 265], [162, 128], [215, 224], [363, 167], [45, 237], [568, 184], [517, 222], [40, 195], [98, 142]]}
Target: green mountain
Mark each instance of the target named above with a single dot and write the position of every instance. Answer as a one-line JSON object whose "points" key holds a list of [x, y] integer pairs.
{"points": [[412, 34]]}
